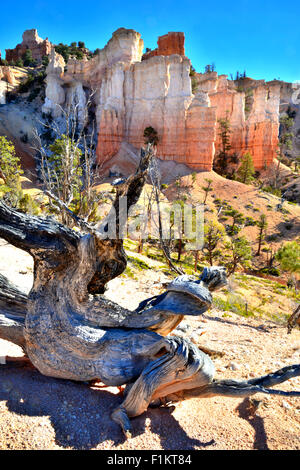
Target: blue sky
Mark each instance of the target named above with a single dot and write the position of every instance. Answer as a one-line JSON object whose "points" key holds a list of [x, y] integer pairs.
{"points": [[262, 37]]}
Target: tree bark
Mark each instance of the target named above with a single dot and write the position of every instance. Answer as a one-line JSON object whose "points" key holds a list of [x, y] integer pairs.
{"points": [[68, 330]]}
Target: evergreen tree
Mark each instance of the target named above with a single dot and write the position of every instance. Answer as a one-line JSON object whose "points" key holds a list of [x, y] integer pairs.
{"points": [[64, 172], [63, 50], [285, 144], [214, 234], [246, 170], [10, 169], [221, 160], [27, 58], [286, 134], [150, 136], [237, 219], [45, 60], [262, 225], [207, 189], [10, 174], [289, 257], [240, 254]]}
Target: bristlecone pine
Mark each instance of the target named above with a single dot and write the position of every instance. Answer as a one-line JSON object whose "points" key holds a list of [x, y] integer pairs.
{"points": [[69, 330]]}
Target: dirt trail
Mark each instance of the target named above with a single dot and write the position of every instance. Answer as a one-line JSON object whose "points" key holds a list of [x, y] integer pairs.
{"points": [[38, 412]]}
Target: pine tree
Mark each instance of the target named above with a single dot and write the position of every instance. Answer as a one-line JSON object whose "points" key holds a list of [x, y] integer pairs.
{"points": [[221, 161], [63, 172], [240, 254], [27, 58], [289, 257], [214, 234], [151, 136], [207, 189], [237, 219], [246, 170], [262, 225], [10, 174]]}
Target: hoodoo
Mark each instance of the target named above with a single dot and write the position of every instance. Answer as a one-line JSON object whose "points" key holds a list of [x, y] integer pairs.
{"points": [[136, 91]]}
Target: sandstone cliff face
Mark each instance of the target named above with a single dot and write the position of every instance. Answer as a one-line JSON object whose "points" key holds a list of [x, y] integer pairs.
{"points": [[132, 94], [31, 40], [252, 108], [156, 93]]}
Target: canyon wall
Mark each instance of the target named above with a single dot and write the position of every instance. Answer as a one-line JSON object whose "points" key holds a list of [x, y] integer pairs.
{"points": [[252, 108], [131, 95], [133, 91], [31, 40]]}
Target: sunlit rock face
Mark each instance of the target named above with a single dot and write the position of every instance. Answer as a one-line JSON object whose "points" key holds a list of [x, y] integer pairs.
{"points": [[55, 93], [169, 44], [252, 107], [156, 93], [31, 40], [132, 92]]}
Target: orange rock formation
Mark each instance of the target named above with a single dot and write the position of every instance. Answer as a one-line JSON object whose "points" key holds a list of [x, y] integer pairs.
{"points": [[252, 107], [133, 94], [171, 43], [39, 47]]}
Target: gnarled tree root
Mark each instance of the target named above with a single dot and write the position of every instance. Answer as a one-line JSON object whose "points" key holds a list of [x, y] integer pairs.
{"points": [[188, 373]]}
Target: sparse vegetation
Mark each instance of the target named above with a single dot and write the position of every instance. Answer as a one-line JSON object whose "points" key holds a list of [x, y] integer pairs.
{"points": [[150, 136], [28, 60], [239, 254], [214, 234], [193, 80], [289, 257], [207, 189], [210, 68], [10, 174], [222, 158], [246, 170]]}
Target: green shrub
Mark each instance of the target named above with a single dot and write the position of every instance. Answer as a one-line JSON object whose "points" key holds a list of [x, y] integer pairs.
{"points": [[271, 190], [271, 271], [233, 303], [26, 85]]}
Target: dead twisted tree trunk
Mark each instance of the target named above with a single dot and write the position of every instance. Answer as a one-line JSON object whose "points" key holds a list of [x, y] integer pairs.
{"points": [[68, 330]]}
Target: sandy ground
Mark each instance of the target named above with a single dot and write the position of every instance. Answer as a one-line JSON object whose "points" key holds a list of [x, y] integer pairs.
{"points": [[38, 412]]}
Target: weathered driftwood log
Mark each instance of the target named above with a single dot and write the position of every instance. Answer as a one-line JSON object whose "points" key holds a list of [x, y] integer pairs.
{"points": [[69, 330]]}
